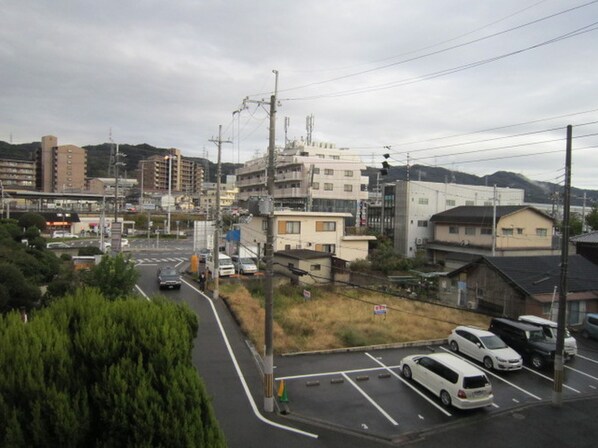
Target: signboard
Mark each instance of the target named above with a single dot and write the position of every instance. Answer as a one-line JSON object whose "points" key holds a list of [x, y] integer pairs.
{"points": [[380, 309], [306, 294]]}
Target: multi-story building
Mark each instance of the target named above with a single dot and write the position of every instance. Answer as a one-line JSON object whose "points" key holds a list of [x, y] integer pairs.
{"points": [[407, 206], [17, 174], [185, 175], [228, 195], [62, 168], [316, 177]]}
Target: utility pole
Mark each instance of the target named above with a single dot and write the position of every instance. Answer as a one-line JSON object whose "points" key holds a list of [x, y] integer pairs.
{"points": [[215, 256], [494, 222], [583, 214], [169, 191], [557, 394]]}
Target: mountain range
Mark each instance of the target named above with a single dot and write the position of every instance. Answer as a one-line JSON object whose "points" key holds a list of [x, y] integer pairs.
{"points": [[98, 157]]}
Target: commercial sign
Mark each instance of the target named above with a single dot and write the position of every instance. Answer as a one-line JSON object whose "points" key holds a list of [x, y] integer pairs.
{"points": [[379, 309]]}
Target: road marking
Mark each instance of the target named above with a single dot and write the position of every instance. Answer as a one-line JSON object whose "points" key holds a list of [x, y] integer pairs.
{"points": [[142, 293], [582, 373], [549, 379], [339, 372], [586, 358], [404, 381], [494, 405], [592, 387], [371, 400], [240, 373], [493, 374]]}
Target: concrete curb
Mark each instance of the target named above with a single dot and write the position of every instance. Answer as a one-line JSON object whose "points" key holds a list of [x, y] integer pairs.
{"points": [[370, 347]]}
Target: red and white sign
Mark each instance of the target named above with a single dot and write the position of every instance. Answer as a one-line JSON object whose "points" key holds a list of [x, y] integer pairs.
{"points": [[380, 309], [306, 294]]}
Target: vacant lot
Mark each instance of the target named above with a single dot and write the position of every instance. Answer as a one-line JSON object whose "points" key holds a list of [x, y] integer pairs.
{"points": [[341, 318]]}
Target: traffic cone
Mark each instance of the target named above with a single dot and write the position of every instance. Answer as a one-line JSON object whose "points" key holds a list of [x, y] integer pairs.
{"points": [[282, 392]]}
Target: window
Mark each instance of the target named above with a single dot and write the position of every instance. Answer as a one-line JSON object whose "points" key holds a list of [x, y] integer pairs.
{"points": [[288, 227], [422, 201], [348, 173], [519, 231], [315, 267], [507, 232], [454, 230], [422, 223], [316, 170], [488, 203], [330, 248], [541, 232], [328, 187], [469, 203], [469, 230], [315, 185], [328, 171], [321, 156], [450, 202], [325, 226], [336, 157], [348, 188], [485, 231]]}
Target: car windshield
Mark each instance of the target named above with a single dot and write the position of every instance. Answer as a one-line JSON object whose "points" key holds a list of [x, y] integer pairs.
{"points": [[493, 342], [168, 272], [246, 260]]}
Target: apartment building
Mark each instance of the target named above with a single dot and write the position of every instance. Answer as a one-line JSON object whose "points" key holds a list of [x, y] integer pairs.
{"points": [[316, 231], [60, 169], [18, 174], [157, 171], [407, 206], [228, 195], [314, 177]]}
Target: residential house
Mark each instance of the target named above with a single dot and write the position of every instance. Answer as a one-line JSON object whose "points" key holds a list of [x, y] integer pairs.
{"points": [[513, 286], [304, 266], [586, 244], [463, 233]]}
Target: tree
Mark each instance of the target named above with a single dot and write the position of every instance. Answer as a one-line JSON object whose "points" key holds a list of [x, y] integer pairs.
{"points": [[114, 276], [592, 218], [575, 225], [31, 219], [21, 293]]}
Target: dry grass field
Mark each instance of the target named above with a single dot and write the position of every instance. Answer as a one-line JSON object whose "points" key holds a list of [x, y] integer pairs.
{"points": [[342, 318]]}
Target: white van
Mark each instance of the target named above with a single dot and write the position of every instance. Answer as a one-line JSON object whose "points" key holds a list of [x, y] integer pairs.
{"points": [[225, 265], [455, 381], [549, 328]]}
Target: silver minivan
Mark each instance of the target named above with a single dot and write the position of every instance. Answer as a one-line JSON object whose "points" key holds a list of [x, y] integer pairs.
{"points": [[549, 327]]}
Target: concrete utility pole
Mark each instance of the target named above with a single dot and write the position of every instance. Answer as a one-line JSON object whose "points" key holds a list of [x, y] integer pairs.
{"points": [[557, 394], [216, 273], [494, 221], [169, 191]]}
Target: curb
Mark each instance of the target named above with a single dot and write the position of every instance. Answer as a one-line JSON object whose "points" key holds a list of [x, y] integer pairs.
{"points": [[369, 347]]}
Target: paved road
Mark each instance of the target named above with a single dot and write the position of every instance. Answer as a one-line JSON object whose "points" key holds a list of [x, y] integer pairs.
{"points": [[531, 425]]}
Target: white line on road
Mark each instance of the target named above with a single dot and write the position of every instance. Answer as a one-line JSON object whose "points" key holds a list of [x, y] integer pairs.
{"points": [[371, 400], [392, 372], [338, 372], [549, 379], [240, 373], [142, 293], [582, 373], [495, 375], [586, 358]]}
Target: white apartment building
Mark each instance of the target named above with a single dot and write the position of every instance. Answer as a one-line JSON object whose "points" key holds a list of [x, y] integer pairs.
{"points": [[207, 199], [407, 207], [316, 231], [318, 177]]}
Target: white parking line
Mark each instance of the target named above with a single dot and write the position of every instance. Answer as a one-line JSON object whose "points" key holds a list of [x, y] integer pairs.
{"points": [[400, 378], [494, 375], [549, 379], [582, 373], [338, 372], [370, 399], [586, 358]]}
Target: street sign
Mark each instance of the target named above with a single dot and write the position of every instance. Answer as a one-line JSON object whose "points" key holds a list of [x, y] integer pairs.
{"points": [[380, 309], [306, 294]]}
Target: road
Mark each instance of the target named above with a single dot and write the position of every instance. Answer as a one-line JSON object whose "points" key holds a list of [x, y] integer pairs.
{"points": [[339, 414]]}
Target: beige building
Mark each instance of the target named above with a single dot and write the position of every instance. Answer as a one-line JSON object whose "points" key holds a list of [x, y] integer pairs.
{"points": [[316, 231], [17, 174], [62, 168], [185, 175], [464, 233], [207, 199]]}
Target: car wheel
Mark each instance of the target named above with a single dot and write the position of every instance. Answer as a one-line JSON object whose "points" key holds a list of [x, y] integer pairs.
{"points": [[407, 372], [488, 363], [454, 346], [445, 398], [585, 334], [537, 361]]}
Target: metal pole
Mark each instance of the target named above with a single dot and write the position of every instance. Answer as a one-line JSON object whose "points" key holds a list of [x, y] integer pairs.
{"points": [[216, 255], [116, 186], [557, 394], [269, 252]]}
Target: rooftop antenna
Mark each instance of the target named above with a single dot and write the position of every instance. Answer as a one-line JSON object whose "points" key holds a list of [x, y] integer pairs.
{"points": [[309, 127]]}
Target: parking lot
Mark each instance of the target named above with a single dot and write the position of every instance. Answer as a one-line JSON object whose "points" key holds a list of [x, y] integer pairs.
{"points": [[364, 391]]}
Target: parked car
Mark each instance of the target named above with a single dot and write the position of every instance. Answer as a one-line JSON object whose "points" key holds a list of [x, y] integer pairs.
{"points": [[455, 381], [123, 243], [549, 327], [63, 234], [243, 265], [590, 326], [169, 277], [485, 347], [203, 255], [225, 265], [526, 339]]}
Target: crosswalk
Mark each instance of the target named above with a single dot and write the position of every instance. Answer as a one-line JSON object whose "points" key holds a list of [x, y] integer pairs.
{"points": [[160, 260]]}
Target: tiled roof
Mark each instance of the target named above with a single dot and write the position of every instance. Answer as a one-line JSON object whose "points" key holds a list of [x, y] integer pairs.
{"points": [[591, 237], [475, 214]]}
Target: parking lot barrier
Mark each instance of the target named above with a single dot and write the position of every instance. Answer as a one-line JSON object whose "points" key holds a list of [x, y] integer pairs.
{"points": [[337, 380], [312, 383], [384, 375], [362, 378]]}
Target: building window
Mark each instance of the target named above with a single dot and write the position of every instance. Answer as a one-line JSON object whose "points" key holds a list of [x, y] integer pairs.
{"points": [[265, 225], [485, 231], [329, 248], [469, 230], [469, 203], [328, 171], [325, 226], [315, 267], [328, 187], [316, 170], [289, 227], [422, 223], [348, 188], [541, 232], [336, 157], [321, 156], [450, 202], [486, 203], [507, 232], [315, 185], [348, 173], [454, 230], [519, 231], [422, 201]]}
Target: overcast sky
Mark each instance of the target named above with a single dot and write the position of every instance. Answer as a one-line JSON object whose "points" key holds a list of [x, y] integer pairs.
{"points": [[421, 77]]}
